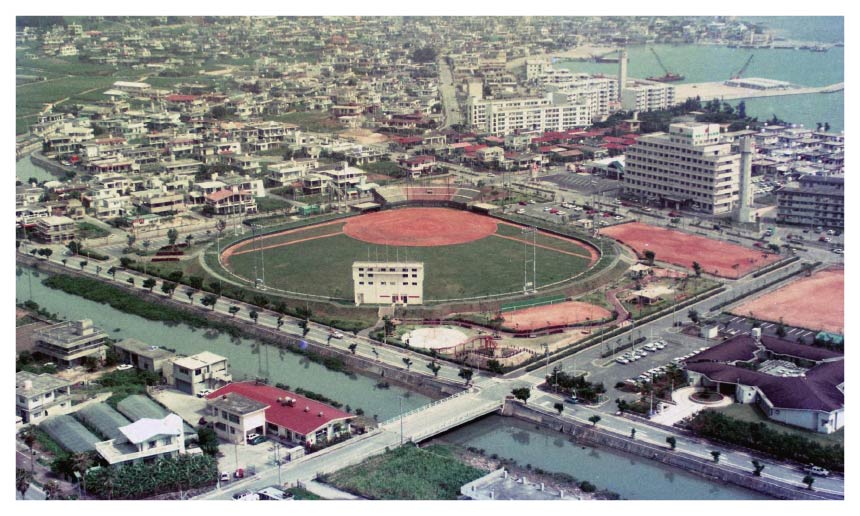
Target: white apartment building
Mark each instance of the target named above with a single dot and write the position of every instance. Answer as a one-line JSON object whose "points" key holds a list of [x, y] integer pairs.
{"points": [[144, 440], [554, 112], [388, 282], [688, 167], [598, 93], [642, 96], [38, 396]]}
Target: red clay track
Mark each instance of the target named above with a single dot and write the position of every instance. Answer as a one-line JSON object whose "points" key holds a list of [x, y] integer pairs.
{"points": [[814, 303], [420, 227], [715, 257]]}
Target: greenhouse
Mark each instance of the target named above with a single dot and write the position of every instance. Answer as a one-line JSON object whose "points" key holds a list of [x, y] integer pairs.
{"points": [[103, 419], [138, 406], [70, 434]]}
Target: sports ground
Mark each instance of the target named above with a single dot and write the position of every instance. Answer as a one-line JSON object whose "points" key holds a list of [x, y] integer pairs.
{"points": [[814, 303], [678, 248], [464, 254], [559, 314]]}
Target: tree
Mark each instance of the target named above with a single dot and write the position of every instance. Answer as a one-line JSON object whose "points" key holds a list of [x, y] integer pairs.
{"points": [[188, 239], [130, 280], [112, 272], [98, 270], [149, 283], [190, 294], [649, 255], [209, 300], [52, 489], [125, 261], [218, 112], [693, 314], [388, 325], [168, 287], [215, 286], [742, 109], [280, 323], [196, 282], [23, 478], [494, 366], [408, 362], [559, 407], [81, 462], [46, 252], [83, 263], [716, 455], [146, 244], [175, 276], [233, 310], [594, 420], [434, 367], [28, 435], [757, 467], [172, 235], [633, 433], [697, 268], [254, 315], [131, 239], [352, 347], [522, 393], [207, 439], [65, 261], [826, 130], [622, 405], [780, 329], [672, 442], [808, 480], [466, 374]]}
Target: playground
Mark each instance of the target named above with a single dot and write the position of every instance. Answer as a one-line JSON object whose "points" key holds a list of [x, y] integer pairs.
{"points": [[718, 258], [815, 303]]}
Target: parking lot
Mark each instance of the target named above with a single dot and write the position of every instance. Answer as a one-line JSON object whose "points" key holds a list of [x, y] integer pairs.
{"points": [[585, 184], [737, 325], [567, 212]]}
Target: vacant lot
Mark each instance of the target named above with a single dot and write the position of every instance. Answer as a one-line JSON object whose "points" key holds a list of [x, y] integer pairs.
{"points": [[814, 303], [407, 473]]}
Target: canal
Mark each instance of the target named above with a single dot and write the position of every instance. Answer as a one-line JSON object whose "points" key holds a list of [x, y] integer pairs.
{"points": [[632, 477], [25, 169], [248, 358]]}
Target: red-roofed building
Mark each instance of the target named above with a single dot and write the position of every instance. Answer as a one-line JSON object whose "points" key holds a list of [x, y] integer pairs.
{"points": [[230, 202], [288, 415], [417, 166]]}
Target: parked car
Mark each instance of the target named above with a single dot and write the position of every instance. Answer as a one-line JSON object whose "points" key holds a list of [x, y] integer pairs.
{"points": [[838, 251], [203, 393], [520, 211], [622, 360], [246, 495], [337, 335], [647, 209], [225, 477], [124, 367], [817, 471], [619, 217], [256, 439]]}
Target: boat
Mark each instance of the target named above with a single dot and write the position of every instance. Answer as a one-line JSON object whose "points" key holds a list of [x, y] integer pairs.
{"points": [[669, 77]]}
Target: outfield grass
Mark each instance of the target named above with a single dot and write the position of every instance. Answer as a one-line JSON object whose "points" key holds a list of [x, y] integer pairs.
{"points": [[752, 414], [408, 473], [488, 266], [268, 203]]}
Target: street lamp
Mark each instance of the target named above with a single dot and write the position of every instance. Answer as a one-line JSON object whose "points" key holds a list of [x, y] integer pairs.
{"points": [[401, 420]]}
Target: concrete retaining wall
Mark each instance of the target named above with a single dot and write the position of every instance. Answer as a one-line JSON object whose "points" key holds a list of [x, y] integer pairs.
{"points": [[595, 436]]}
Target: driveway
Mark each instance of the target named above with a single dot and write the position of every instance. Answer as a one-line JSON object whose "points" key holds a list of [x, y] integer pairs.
{"points": [[685, 407]]}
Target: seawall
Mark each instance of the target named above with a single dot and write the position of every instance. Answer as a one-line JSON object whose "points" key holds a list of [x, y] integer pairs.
{"points": [[595, 436]]}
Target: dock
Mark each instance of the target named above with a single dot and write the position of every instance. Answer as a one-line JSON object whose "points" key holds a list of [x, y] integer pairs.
{"points": [[720, 91]]}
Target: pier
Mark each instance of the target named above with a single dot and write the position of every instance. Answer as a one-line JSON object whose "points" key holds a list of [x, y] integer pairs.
{"points": [[720, 91]]}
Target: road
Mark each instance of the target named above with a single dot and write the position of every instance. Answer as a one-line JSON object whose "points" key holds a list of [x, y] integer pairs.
{"points": [[451, 108]]}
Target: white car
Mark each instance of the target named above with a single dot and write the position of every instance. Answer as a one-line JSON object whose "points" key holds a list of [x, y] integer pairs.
{"points": [[225, 477], [337, 335], [619, 217], [647, 209], [546, 208], [622, 360], [520, 211], [817, 471], [253, 436], [124, 367], [203, 393]]}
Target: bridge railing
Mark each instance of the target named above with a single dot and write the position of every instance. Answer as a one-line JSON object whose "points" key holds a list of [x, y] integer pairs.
{"points": [[427, 406], [451, 423]]}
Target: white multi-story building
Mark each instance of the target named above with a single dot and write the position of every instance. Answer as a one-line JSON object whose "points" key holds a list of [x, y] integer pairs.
{"points": [[553, 112], [598, 93], [388, 282], [639, 95], [40, 396], [687, 167]]}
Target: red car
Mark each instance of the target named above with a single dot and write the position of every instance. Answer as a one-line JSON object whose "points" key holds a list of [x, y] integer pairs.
{"points": [[553, 211], [674, 214], [523, 203]]}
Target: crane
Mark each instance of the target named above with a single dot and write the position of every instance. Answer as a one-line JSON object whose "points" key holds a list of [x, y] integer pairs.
{"points": [[669, 76], [743, 68]]}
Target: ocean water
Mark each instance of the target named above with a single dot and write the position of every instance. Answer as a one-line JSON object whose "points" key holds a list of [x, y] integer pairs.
{"points": [[710, 63]]}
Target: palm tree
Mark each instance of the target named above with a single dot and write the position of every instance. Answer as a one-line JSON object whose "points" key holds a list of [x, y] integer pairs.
{"points": [[83, 263], [254, 315], [433, 366], [466, 374], [633, 433], [352, 347], [52, 489], [716, 455], [112, 272], [594, 420], [65, 261], [23, 478], [808, 480], [559, 406], [757, 467], [672, 441], [408, 362], [233, 310]]}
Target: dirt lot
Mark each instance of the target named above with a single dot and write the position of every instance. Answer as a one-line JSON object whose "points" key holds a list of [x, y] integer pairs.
{"points": [[814, 303], [569, 312], [715, 257]]}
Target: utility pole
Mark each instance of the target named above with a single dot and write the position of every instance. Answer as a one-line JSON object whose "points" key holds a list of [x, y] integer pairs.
{"points": [[278, 461], [401, 420]]}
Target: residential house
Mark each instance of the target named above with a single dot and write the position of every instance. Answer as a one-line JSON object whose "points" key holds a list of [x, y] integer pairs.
{"points": [[234, 416], [145, 440], [204, 370], [54, 230], [38, 396], [70, 342], [142, 355]]}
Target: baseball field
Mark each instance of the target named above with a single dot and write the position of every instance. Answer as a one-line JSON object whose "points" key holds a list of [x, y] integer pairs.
{"points": [[464, 254]]}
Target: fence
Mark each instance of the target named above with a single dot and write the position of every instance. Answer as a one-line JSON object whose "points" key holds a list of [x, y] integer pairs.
{"points": [[425, 407]]}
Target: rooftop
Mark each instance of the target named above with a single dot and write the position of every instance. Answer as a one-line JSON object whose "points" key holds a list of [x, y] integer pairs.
{"points": [[69, 332], [41, 383], [143, 349], [146, 429], [237, 404], [202, 359]]}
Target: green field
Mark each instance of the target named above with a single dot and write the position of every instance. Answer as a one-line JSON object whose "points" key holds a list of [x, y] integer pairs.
{"points": [[491, 265], [408, 473]]}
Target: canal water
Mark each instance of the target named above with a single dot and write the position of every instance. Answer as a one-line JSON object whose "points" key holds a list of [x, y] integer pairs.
{"points": [[25, 169], [631, 477], [711, 63], [249, 358]]}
